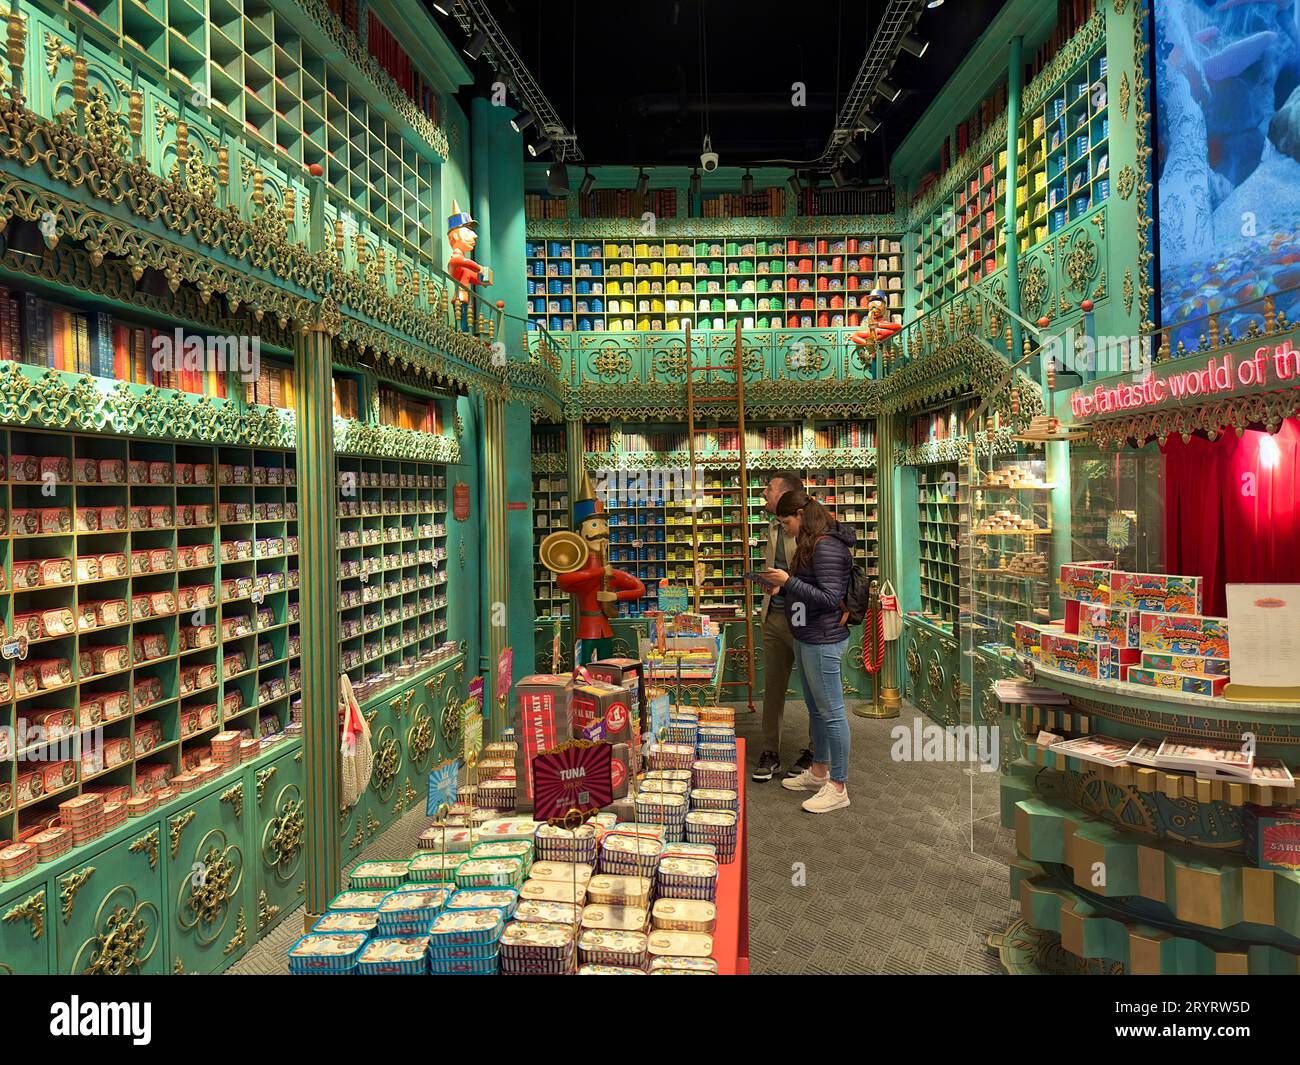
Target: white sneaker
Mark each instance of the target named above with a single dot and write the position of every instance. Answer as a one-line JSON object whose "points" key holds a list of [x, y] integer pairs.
{"points": [[828, 799], [805, 781]]}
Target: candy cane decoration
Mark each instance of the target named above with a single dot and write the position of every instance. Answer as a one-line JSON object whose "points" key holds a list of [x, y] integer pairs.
{"points": [[873, 651]]}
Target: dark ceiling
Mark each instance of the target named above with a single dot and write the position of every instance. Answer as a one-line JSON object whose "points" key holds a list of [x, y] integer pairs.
{"points": [[638, 94]]}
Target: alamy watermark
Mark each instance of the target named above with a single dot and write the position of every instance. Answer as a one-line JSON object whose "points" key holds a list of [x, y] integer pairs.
{"points": [[179, 351], [924, 741]]}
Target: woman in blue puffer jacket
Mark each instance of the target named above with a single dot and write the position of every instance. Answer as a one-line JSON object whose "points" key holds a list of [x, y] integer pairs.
{"points": [[814, 591]]}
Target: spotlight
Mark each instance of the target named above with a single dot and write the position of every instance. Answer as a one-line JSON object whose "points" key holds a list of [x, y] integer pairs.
{"points": [[557, 180], [870, 123], [934, 3], [888, 90], [915, 45], [1269, 453], [642, 183], [852, 151], [793, 182], [443, 7], [837, 176], [695, 182], [540, 148], [521, 121], [475, 45], [747, 184], [588, 183]]}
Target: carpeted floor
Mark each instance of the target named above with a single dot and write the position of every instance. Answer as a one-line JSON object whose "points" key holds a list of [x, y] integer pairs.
{"points": [[889, 885]]}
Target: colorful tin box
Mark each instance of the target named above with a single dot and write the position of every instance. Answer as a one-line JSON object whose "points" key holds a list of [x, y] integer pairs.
{"points": [[1156, 592], [1185, 634], [1179, 682], [386, 874], [327, 953], [394, 956], [1201, 667]]}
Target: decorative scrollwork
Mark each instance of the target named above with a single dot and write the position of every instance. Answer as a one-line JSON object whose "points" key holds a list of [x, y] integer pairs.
{"points": [[237, 940], [388, 760], [205, 894], [68, 888], [31, 910], [235, 796], [266, 911], [148, 845], [177, 828], [419, 739], [125, 937], [264, 777], [283, 835], [1126, 182]]}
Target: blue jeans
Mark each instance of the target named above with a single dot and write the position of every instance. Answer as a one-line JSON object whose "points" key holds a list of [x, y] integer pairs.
{"points": [[819, 673]]}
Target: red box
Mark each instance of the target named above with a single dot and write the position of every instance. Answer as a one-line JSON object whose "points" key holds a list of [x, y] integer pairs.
{"points": [[543, 719]]}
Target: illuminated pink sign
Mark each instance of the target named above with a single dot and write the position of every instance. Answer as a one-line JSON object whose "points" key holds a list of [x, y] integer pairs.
{"points": [[1270, 365]]}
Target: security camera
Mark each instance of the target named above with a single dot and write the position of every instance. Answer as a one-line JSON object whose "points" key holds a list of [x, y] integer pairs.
{"points": [[708, 157]]}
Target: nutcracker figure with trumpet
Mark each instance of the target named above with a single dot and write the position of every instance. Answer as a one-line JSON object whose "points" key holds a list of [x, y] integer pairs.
{"points": [[580, 562]]}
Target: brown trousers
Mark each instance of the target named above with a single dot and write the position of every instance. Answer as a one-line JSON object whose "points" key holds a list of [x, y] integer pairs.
{"points": [[778, 661]]}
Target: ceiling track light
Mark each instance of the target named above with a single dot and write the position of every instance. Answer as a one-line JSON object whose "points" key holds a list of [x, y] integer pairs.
{"points": [[588, 183], [475, 45], [852, 151], [642, 183], [793, 181], [540, 147], [932, 4], [522, 121], [888, 90], [747, 184], [837, 176], [870, 123], [915, 45], [695, 182]]}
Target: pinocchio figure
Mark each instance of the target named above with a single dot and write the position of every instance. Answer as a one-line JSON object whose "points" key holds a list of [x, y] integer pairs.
{"points": [[464, 270], [878, 326], [597, 585]]}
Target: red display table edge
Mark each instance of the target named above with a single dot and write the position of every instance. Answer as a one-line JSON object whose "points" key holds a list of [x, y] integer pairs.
{"points": [[731, 934]]}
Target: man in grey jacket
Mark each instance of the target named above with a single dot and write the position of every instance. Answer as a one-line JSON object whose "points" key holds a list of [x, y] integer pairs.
{"points": [[778, 642]]}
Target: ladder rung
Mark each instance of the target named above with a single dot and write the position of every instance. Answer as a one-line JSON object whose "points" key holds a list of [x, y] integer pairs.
{"points": [[717, 399]]}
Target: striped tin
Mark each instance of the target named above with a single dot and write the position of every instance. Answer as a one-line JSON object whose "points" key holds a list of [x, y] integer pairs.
{"points": [[615, 918], [713, 799], [395, 956], [684, 915], [565, 845], [505, 848], [696, 948], [426, 867], [346, 921], [671, 755], [554, 891], [564, 872], [485, 966], [714, 826], [327, 953], [716, 734], [378, 874], [536, 948], [489, 872], [716, 752], [503, 899], [407, 913], [455, 952], [665, 787], [358, 900], [682, 732], [714, 775], [691, 850], [619, 890], [603, 946], [453, 927], [450, 840], [669, 774], [687, 878], [609, 970], [540, 911]]}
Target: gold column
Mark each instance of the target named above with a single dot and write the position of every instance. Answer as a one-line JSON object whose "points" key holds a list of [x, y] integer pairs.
{"points": [[496, 555]]}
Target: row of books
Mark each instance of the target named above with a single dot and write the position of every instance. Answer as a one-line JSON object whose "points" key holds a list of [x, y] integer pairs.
{"points": [[538, 207], [854, 435], [393, 58], [627, 203], [273, 387], [939, 425], [407, 412], [770, 203]]}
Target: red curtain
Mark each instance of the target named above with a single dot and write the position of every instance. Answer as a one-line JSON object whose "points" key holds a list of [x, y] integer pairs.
{"points": [[1232, 509]]}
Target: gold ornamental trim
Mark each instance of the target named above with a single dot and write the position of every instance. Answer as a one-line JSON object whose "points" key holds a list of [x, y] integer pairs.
{"points": [[266, 910], [147, 845], [264, 777], [177, 828], [235, 796], [68, 888], [31, 910], [237, 940]]}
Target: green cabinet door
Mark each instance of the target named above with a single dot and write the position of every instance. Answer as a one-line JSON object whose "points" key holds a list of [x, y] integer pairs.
{"points": [[279, 857], [209, 906], [107, 913], [25, 932]]}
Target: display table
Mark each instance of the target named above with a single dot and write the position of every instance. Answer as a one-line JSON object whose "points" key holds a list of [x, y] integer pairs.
{"points": [[1136, 870], [731, 935]]}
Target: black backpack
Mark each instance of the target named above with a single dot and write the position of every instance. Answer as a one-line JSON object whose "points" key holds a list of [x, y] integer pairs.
{"points": [[857, 596]]}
